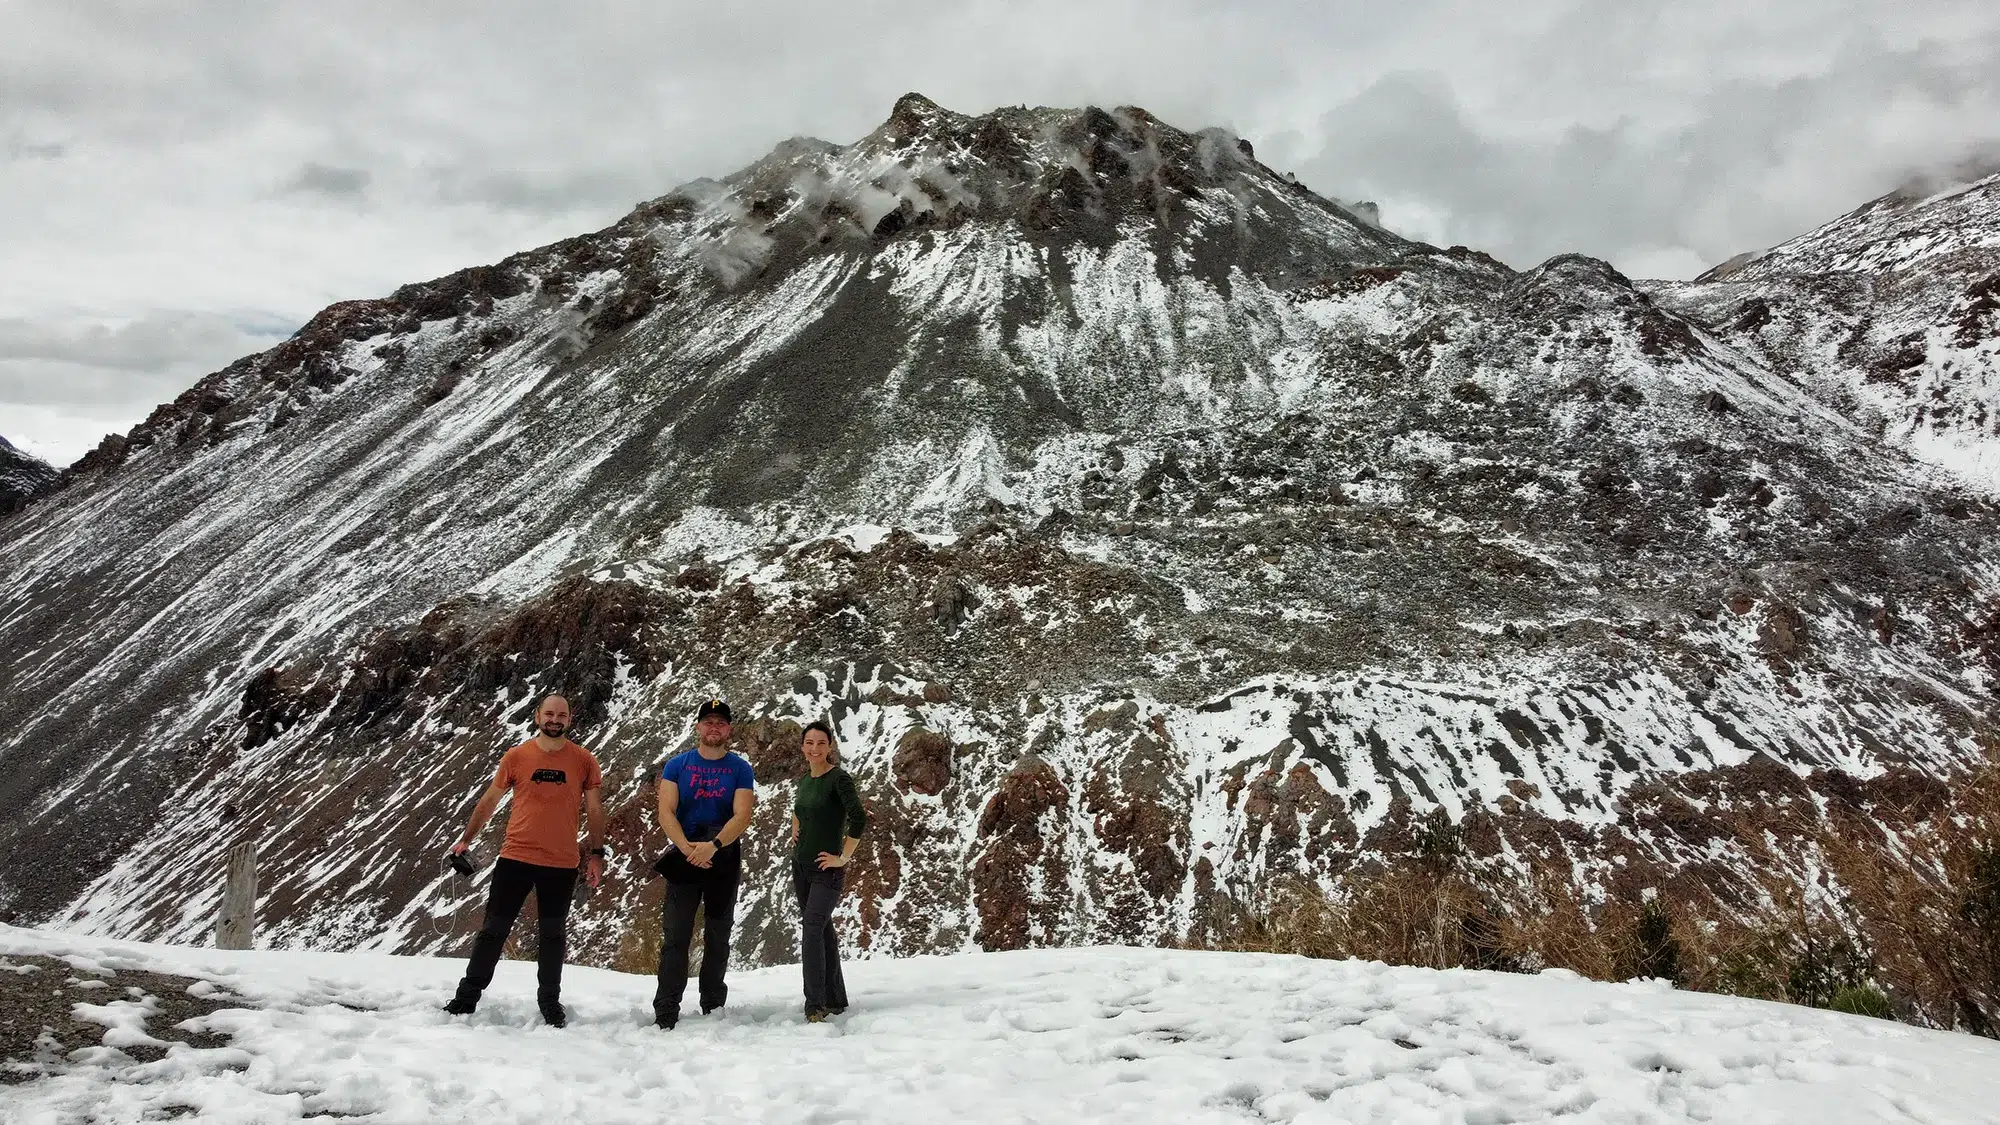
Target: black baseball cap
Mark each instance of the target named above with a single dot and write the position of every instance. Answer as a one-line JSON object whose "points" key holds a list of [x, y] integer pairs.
{"points": [[713, 707]]}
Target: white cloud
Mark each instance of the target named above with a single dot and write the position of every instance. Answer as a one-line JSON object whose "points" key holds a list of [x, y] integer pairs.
{"points": [[145, 344], [1663, 261], [1665, 155], [61, 434], [66, 381]]}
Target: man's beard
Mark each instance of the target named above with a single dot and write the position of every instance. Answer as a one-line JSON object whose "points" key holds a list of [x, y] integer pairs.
{"points": [[554, 730]]}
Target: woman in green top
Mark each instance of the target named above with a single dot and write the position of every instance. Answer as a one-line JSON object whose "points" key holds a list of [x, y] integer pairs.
{"points": [[827, 819]]}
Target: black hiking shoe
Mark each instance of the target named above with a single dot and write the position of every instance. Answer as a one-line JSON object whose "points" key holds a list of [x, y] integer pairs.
{"points": [[460, 1006], [553, 1014]]}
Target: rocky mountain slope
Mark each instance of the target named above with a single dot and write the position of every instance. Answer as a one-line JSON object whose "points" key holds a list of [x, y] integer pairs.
{"points": [[1152, 528], [24, 478], [1891, 313]]}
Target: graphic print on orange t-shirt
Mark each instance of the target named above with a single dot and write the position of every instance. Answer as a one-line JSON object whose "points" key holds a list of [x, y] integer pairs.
{"points": [[548, 790]]}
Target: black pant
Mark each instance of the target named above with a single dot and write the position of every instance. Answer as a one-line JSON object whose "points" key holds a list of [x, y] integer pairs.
{"points": [[819, 950], [713, 889], [512, 880]]}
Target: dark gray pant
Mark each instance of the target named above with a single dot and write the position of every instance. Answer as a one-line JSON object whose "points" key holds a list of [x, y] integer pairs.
{"points": [[819, 950], [512, 880], [714, 891]]}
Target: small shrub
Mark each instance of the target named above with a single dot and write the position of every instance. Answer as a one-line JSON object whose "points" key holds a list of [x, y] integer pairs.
{"points": [[1659, 953], [1440, 843], [1481, 943], [1751, 962], [1862, 1000], [1825, 967]]}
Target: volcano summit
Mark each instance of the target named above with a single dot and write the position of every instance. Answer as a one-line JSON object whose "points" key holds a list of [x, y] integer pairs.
{"points": [[1151, 527]]}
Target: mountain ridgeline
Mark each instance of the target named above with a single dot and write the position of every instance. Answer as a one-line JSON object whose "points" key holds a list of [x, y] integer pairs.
{"points": [[1153, 530], [24, 478]]}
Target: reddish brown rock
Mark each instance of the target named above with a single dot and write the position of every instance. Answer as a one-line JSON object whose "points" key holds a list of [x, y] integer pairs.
{"points": [[1781, 633], [1136, 809], [1883, 623], [1328, 830], [923, 762], [1232, 786], [1029, 790], [876, 875], [1009, 910], [1261, 799], [1481, 831], [273, 703]]}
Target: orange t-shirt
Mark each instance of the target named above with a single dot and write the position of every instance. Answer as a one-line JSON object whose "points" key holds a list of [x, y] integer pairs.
{"points": [[548, 790]]}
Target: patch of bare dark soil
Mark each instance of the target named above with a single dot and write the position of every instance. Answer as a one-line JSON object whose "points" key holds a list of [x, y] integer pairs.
{"points": [[42, 1025]]}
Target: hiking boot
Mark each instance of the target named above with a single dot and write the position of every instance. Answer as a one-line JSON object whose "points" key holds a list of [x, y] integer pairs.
{"points": [[836, 1009], [553, 1014], [665, 1021], [460, 1006], [816, 1015]]}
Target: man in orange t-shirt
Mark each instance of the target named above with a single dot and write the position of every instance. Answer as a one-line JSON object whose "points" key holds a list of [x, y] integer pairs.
{"points": [[552, 779]]}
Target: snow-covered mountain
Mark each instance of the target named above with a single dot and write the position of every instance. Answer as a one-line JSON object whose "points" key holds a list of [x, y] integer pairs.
{"points": [[1891, 312], [1152, 528], [24, 478], [1082, 1035]]}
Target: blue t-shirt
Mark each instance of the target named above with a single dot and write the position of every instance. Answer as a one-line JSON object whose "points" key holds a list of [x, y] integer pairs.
{"points": [[707, 790]]}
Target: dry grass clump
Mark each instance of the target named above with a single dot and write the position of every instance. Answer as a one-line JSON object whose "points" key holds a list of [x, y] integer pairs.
{"points": [[1884, 911], [1925, 887]]}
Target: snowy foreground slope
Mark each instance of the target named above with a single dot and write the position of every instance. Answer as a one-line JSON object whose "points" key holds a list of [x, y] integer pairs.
{"points": [[1078, 1035]]}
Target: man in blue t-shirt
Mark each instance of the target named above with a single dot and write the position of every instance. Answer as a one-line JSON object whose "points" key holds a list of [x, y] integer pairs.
{"points": [[706, 796]]}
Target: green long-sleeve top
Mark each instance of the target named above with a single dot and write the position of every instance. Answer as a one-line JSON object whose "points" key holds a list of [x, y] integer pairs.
{"points": [[828, 809]]}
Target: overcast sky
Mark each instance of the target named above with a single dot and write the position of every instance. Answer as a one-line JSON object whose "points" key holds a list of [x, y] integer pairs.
{"points": [[184, 184]]}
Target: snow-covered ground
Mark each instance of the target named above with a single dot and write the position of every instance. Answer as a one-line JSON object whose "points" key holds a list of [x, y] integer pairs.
{"points": [[1078, 1035]]}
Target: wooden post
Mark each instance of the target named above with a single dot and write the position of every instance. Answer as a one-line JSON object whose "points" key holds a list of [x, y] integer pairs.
{"points": [[235, 924]]}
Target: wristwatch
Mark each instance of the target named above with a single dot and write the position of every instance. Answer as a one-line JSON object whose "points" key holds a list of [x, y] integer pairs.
{"points": [[598, 852]]}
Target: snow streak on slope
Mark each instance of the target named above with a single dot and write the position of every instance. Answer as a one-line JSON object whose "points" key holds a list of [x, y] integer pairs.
{"points": [[1081, 1035]]}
